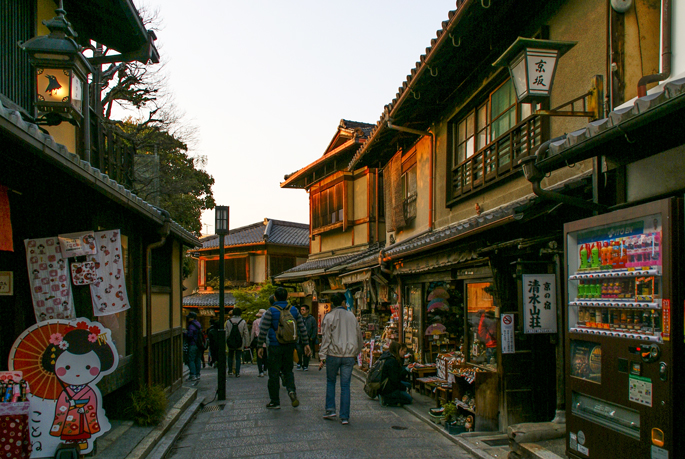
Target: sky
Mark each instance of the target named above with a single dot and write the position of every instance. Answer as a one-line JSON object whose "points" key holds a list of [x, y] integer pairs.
{"points": [[266, 84]]}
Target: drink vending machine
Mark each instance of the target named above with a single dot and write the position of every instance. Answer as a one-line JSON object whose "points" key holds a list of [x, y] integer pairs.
{"points": [[624, 333]]}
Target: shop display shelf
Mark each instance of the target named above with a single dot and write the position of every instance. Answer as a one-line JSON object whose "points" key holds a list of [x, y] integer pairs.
{"points": [[629, 272], [615, 303], [464, 406], [618, 334]]}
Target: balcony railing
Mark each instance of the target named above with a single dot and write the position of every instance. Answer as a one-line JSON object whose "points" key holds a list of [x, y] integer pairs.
{"points": [[111, 152], [498, 159]]}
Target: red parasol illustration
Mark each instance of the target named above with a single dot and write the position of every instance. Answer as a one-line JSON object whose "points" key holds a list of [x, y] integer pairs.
{"points": [[27, 353]]}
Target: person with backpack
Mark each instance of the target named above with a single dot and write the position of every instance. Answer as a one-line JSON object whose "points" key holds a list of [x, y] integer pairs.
{"points": [[341, 342], [393, 390], [281, 324], [312, 328], [193, 337], [238, 337]]}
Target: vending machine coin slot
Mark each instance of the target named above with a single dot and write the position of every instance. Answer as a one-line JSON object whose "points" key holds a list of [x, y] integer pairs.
{"points": [[657, 437], [650, 354]]}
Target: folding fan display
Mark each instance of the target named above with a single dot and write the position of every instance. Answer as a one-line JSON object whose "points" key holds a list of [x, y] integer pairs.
{"points": [[438, 303], [439, 292], [436, 329]]}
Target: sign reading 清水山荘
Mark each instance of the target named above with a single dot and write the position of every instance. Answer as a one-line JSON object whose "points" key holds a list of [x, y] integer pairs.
{"points": [[539, 303]]}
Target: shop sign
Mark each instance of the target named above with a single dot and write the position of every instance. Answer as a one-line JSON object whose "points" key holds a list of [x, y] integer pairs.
{"points": [[207, 312], [335, 283], [356, 277], [6, 283], [539, 303], [507, 334], [308, 287]]}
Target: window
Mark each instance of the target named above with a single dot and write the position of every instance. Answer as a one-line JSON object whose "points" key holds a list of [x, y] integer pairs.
{"points": [[279, 264], [409, 191], [482, 325], [327, 206], [235, 269], [481, 150]]}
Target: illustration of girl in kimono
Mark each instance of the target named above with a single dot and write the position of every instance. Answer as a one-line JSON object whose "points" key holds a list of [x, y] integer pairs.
{"points": [[77, 359]]}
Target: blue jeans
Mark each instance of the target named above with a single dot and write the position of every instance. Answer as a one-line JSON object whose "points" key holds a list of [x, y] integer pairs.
{"points": [[194, 362], [237, 354], [345, 365]]}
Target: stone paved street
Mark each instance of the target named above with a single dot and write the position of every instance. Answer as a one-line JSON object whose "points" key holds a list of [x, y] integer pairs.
{"points": [[245, 428]]}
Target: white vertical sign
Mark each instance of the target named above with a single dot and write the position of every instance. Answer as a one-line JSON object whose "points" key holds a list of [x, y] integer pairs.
{"points": [[539, 303], [507, 327]]}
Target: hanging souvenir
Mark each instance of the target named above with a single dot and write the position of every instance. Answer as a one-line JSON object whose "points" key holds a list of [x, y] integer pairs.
{"points": [[108, 289], [49, 277], [77, 244], [83, 273]]}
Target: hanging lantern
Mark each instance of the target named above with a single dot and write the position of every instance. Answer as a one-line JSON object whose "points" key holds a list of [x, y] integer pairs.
{"points": [[61, 71]]}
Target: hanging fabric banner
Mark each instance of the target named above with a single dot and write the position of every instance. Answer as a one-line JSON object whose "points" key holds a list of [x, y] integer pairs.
{"points": [[83, 273], [49, 277], [77, 244], [108, 290], [5, 222]]}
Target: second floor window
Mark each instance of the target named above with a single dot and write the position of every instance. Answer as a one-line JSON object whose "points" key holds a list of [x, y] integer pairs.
{"points": [[327, 206], [480, 149]]}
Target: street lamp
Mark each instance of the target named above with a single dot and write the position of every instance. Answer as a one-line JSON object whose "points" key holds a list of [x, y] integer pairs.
{"points": [[60, 72], [532, 64], [221, 229]]}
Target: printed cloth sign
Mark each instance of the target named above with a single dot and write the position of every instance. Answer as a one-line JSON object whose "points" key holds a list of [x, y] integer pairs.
{"points": [[83, 273], [77, 244], [108, 290], [5, 222], [49, 277]]}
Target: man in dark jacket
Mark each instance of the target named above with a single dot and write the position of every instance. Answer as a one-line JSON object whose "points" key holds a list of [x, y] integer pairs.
{"points": [[394, 393], [280, 355], [193, 335], [312, 328], [213, 338]]}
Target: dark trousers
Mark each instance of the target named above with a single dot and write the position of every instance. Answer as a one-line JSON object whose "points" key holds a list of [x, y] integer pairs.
{"points": [[237, 354], [280, 360], [261, 361], [302, 357]]}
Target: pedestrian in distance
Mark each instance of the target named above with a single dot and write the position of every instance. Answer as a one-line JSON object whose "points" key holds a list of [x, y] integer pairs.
{"points": [[261, 361], [311, 326], [281, 324], [213, 340], [192, 335], [394, 392], [341, 342], [238, 336]]}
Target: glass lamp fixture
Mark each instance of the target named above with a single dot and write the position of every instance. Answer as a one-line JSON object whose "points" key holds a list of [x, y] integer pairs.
{"points": [[532, 64], [60, 70], [221, 220]]}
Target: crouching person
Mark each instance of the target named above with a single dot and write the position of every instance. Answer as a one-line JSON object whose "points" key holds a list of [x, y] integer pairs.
{"points": [[394, 393]]}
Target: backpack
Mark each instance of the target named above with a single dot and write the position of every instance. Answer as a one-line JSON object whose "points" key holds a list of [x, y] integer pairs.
{"points": [[235, 338], [373, 384], [203, 344], [286, 333]]}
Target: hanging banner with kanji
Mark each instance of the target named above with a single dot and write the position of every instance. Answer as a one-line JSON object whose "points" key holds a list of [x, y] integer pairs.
{"points": [[49, 277], [539, 303]]}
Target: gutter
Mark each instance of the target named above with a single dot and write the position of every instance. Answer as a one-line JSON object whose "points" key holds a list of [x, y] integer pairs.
{"points": [[164, 233], [432, 152], [666, 53]]}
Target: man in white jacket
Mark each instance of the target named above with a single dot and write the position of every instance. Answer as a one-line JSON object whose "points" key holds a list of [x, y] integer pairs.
{"points": [[341, 342]]}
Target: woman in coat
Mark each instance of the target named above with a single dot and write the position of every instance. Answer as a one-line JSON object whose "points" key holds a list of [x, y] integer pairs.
{"points": [[394, 392]]}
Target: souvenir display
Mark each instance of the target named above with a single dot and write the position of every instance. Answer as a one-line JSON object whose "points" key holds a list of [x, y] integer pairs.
{"points": [[49, 277]]}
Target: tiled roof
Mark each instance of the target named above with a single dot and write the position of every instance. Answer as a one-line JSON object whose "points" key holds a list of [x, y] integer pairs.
{"points": [[58, 153], [366, 128], [321, 263], [271, 231], [513, 210], [208, 300], [331, 264], [671, 96]]}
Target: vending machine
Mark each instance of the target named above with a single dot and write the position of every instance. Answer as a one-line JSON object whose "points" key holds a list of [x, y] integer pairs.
{"points": [[624, 333]]}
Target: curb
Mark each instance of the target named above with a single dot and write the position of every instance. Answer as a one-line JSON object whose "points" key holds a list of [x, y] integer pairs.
{"points": [[168, 440], [145, 447]]}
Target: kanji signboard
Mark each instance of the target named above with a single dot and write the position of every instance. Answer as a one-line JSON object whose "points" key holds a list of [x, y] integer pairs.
{"points": [[539, 303]]}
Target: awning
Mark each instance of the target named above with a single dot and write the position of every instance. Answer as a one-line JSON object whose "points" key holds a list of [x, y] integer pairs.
{"points": [[355, 277], [439, 261], [333, 291], [298, 275]]}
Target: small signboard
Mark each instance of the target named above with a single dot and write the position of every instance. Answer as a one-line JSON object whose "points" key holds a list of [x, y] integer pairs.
{"points": [[539, 303], [6, 283], [507, 328]]}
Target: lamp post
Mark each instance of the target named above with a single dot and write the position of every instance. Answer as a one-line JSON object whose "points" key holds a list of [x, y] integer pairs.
{"points": [[221, 229]]}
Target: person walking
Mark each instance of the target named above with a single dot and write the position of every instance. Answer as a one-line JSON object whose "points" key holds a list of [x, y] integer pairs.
{"points": [[310, 325], [341, 342], [213, 340], [281, 323], [192, 335], [261, 361], [238, 337]]}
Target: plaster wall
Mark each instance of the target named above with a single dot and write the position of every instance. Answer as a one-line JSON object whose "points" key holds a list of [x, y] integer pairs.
{"points": [[358, 196], [176, 275], [642, 43], [334, 241], [257, 268], [191, 283], [657, 175], [160, 312]]}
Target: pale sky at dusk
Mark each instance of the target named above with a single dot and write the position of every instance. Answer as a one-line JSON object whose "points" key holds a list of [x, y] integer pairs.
{"points": [[267, 82]]}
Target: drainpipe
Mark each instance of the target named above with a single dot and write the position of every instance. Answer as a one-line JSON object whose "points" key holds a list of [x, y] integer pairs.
{"points": [[164, 233], [665, 51], [535, 176], [430, 177]]}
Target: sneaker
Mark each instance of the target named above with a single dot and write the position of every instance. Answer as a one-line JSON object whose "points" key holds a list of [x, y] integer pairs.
{"points": [[305, 369], [330, 415], [237, 376], [261, 375], [191, 378], [197, 378], [299, 366], [273, 406], [344, 422], [293, 398]]}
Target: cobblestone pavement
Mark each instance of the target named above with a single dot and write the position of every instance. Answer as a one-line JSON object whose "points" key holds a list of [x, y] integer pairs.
{"points": [[241, 426]]}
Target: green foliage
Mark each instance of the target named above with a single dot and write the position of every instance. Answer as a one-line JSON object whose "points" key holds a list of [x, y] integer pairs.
{"points": [[252, 299], [148, 405], [450, 412], [188, 266]]}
